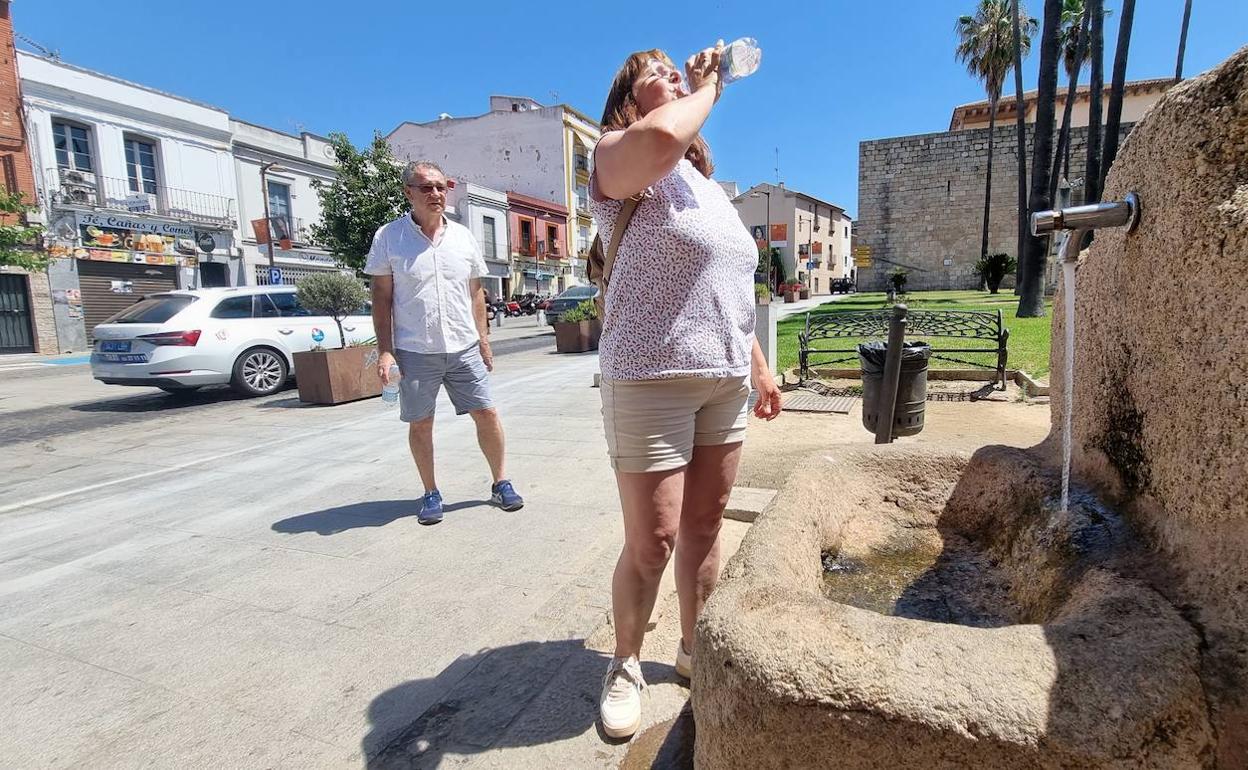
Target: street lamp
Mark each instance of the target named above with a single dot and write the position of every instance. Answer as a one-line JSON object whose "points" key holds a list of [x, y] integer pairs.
{"points": [[264, 192], [771, 266]]}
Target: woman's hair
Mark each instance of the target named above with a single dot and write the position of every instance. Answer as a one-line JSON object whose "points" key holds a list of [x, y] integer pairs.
{"points": [[621, 110]]}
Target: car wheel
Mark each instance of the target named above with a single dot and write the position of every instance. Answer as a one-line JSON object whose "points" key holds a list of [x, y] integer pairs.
{"points": [[259, 372]]}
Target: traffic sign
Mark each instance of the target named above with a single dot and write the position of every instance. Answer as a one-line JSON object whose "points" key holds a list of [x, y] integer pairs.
{"points": [[275, 276], [860, 261], [810, 265], [862, 251]]}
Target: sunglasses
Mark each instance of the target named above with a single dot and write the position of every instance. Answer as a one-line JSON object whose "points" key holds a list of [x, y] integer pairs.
{"points": [[429, 189]]}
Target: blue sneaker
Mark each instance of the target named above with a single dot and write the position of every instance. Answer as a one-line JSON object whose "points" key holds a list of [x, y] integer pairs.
{"points": [[430, 508], [505, 497]]}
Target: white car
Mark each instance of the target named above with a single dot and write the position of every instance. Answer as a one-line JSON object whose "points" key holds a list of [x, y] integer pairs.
{"points": [[246, 336]]}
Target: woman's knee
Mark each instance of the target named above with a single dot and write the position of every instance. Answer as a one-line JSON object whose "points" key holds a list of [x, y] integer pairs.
{"points": [[650, 554]]}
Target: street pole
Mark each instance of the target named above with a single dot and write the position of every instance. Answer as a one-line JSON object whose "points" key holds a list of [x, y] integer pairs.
{"points": [[264, 192]]}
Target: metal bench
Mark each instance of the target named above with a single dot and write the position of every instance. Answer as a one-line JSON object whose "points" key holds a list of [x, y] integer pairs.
{"points": [[960, 327]]}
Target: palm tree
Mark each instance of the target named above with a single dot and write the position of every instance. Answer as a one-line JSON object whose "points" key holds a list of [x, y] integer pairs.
{"points": [[1074, 33], [1020, 125], [1096, 86], [1113, 115], [1031, 301], [986, 46], [1187, 17]]}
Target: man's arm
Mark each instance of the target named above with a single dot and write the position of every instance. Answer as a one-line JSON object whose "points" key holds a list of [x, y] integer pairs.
{"points": [[383, 323], [483, 326]]}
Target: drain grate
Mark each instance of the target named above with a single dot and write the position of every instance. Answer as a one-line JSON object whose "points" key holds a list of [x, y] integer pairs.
{"points": [[805, 401]]}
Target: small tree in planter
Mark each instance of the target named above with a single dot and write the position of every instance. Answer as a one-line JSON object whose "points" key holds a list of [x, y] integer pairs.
{"points": [[578, 330], [342, 374], [994, 268], [762, 294]]}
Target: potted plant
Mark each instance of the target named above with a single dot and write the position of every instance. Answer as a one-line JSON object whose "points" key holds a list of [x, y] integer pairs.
{"points": [[344, 374], [790, 291], [578, 330], [762, 294], [994, 268]]}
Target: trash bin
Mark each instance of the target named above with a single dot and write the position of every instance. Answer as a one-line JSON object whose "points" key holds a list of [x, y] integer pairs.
{"points": [[911, 385]]}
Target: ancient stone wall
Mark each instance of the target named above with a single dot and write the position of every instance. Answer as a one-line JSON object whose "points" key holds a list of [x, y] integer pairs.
{"points": [[921, 203], [1161, 368]]}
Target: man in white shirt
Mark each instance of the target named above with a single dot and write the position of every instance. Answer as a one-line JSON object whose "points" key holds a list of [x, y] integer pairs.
{"points": [[429, 313]]}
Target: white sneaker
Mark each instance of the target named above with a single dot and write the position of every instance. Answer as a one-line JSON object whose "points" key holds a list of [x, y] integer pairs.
{"points": [[620, 703], [684, 660]]}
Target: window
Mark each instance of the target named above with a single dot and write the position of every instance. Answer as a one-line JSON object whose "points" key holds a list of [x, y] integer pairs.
{"points": [[279, 207], [552, 239], [817, 279], [153, 310], [846, 232], [582, 241], [582, 161], [287, 304], [489, 237], [141, 165], [73, 146], [582, 197], [526, 236], [233, 307]]}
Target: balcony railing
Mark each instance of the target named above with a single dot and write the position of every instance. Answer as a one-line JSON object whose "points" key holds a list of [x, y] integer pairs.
{"points": [[70, 187]]}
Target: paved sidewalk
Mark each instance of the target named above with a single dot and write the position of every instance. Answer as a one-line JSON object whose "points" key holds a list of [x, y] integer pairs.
{"points": [[246, 586]]}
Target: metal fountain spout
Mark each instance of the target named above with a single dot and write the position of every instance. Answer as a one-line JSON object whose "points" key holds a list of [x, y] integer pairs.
{"points": [[1077, 221]]}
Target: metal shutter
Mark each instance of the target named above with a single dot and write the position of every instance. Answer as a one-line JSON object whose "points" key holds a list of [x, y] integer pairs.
{"points": [[99, 301]]}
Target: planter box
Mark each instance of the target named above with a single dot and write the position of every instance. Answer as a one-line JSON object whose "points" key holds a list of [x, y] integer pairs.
{"points": [[336, 376], [578, 337], [790, 296], [804, 294]]}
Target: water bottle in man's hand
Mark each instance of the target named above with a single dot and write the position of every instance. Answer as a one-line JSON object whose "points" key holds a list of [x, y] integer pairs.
{"points": [[390, 390]]}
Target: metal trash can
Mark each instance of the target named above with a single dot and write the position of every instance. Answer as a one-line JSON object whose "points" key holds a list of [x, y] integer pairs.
{"points": [[911, 385]]}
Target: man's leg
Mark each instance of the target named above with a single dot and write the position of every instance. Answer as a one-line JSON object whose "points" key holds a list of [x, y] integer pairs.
{"points": [[490, 439], [420, 441]]}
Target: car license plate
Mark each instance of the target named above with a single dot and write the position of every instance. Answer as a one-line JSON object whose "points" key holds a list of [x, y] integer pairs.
{"points": [[115, 346], [124, 358]]}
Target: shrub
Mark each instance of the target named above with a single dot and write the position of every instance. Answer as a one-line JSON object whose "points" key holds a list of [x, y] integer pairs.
{"points": [[333, 294], [586, 311], [898, 278], [994, 268]]}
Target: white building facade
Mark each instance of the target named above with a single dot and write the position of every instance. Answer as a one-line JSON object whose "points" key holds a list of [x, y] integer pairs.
{"points": [[137, 189], [519, 146], [292, 164], [484, 211]]}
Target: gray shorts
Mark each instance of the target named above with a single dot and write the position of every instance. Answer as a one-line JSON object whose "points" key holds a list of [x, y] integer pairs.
{"points": [[463, 372]]}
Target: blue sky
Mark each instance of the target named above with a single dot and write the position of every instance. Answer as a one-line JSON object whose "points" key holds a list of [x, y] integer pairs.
{"points": [[833, 73]]}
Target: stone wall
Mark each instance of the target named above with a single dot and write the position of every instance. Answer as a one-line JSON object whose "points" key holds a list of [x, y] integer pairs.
{"points": [[1160, 420], [921, 203]]}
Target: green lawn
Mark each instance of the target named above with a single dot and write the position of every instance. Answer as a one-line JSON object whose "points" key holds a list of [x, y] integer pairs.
{"points": [[1029, 337]]}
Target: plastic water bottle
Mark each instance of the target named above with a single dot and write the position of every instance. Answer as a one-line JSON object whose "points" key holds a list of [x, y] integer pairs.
{"points": [[740, 59], [390, 392]]}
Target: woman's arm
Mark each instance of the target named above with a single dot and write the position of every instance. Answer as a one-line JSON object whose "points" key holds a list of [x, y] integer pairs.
{"points": [[769, 400], [627, 162]]}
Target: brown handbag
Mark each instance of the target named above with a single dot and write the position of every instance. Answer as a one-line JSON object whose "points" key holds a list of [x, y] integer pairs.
{"points": [[600, 264]]}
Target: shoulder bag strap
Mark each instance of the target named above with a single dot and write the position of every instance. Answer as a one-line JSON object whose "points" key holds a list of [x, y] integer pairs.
{"points": [[621, 224]]}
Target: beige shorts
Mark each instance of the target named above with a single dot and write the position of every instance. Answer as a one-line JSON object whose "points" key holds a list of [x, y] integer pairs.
{"points": [[653, 425]]}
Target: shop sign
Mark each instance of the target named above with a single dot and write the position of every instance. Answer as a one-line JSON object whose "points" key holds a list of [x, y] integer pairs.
{"points": [[134, 225]]}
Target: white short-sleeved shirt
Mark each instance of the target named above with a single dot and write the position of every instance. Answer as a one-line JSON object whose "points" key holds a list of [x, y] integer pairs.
{"points": [[432, 304]]}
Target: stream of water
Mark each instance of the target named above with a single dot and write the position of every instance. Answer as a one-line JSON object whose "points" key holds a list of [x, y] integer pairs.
{"points": [[1068, 373]]}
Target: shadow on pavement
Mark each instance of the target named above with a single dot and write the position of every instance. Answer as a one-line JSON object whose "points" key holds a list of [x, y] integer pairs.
{"points": [[159, 401], [489, 701], [373, 513]]}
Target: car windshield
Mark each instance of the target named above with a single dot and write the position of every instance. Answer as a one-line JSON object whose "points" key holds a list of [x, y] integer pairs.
{"points": [[152, 310], [579, 292]]}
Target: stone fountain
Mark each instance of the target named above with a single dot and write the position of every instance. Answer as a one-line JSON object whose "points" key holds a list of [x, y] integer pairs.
{"points": [[905, 606]]}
